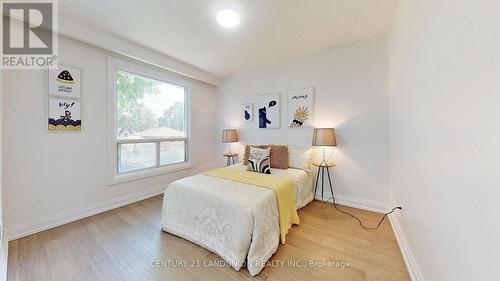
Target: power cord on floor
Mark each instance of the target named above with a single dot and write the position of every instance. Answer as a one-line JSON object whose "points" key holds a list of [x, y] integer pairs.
{"points": [[360, 222]]}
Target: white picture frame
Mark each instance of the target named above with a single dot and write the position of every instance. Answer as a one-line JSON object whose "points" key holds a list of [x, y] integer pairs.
{"points": [[64, 115], [269, 111], [64, 82], [300, 104], [247, 112]]}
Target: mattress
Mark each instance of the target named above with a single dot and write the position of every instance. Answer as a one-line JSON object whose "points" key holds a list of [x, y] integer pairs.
{"points": [[237, 221]]}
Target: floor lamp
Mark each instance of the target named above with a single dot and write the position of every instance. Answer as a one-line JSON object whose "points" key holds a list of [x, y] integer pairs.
{"points": [[324, 137]]}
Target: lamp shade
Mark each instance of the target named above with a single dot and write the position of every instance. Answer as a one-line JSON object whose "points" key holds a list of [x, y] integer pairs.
{"points": [[324, 137], [229, 135]]}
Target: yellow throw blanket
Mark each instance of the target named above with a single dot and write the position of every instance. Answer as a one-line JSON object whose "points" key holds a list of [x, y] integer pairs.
{"points": [[282, 187]]}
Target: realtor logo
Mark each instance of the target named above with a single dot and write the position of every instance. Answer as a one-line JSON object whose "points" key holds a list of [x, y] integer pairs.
{"points": [[29, 34]]}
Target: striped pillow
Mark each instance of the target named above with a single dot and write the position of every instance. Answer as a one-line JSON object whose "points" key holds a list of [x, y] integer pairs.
{"points": [[258, 160]]}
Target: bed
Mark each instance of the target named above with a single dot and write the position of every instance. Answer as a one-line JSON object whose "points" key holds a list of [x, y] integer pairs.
{"points": [[237, 221]]}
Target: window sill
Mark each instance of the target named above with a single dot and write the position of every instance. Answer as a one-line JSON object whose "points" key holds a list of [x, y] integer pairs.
{"points": [[133, 176]]}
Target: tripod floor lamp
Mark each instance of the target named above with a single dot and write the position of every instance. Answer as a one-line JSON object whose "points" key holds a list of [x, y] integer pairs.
{"points": [[324, 137]]}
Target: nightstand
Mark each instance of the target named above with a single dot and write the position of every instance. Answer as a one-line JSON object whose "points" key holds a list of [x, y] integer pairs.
{"points": [[230, 158], [322, 168]]}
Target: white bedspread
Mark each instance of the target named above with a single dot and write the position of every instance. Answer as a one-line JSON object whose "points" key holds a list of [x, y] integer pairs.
{"points": [[237, 221]]}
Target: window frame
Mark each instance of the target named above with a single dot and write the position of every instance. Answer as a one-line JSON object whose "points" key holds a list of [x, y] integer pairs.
{"points": [[114, 64]]}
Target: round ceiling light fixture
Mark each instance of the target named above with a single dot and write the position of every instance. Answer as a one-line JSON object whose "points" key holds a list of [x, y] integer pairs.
{"points": [[228, 18]]}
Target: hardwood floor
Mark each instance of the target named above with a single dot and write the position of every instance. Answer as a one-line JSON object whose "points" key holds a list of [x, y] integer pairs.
{"points": [[127, 244]]}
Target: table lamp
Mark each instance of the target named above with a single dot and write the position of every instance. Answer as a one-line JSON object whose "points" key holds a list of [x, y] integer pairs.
{"points": [[324, 137], [229, 136]]}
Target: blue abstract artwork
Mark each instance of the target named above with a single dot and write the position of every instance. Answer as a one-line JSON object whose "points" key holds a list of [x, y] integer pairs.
{"points": [[269, 110], [247, 112]]}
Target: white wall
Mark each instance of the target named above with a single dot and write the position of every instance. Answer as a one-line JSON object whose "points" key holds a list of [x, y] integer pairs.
{"points": [[444, 73], [3, 242], [49, 177], [350, 88]]}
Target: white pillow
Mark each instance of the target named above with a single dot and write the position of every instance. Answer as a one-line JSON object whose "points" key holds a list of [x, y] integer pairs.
{"points": [[299, 158]]}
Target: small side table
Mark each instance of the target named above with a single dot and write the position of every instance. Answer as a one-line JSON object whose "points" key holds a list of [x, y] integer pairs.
{"points": [[322, 168], [230, 158]]}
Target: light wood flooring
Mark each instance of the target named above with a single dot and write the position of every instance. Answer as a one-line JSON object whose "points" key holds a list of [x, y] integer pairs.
{"points": [[127, 244]]}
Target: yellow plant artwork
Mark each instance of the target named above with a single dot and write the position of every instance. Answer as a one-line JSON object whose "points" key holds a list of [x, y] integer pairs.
{"points": [[300, 107], [300, 116]]}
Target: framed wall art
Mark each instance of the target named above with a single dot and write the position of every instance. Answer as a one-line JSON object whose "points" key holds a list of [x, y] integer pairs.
{"points": [[247, 112], [300, 108], [64, 82], [269, 110], [64, 115]]}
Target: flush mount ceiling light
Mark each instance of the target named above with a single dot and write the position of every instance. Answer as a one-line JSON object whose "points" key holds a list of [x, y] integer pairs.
{"points": [[228, 18]]}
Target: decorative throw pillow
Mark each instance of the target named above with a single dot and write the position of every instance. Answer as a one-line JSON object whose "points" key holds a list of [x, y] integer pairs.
{"points": [[299, 158], [278, 155], [258, 160]]}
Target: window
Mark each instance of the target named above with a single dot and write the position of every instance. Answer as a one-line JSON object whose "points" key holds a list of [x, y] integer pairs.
{"points": [[150, 121]]}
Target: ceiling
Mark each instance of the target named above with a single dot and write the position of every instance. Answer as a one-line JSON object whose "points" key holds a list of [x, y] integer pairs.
{"points": [[271, 31]]}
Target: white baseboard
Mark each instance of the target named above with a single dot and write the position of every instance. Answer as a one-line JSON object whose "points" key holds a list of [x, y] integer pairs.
{"points": [[410, 261], [34, 226], [358, 203]]}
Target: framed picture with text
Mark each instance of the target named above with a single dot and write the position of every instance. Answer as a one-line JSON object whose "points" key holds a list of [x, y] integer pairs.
{"points": [[64, 115], [300, 108], [64, 82]]}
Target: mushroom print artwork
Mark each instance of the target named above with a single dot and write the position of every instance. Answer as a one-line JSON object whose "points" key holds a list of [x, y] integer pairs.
{"points": [[300, 108], [64, 82], [65, 77], [269, 110]]}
